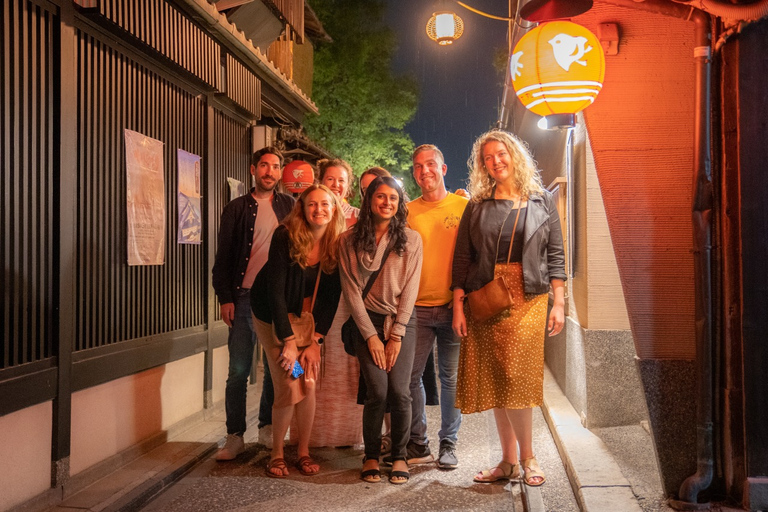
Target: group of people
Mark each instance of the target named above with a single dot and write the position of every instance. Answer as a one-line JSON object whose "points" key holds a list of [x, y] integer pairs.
{"points": [[402, 271]]}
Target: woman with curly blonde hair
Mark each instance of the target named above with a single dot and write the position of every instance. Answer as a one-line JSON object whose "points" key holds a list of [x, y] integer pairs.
{"points": [[526, 179], [510, 228], [301, 275]]}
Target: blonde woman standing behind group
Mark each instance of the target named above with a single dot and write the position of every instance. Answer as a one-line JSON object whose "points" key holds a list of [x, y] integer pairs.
{"points": [[501, 362], [338, 417]]}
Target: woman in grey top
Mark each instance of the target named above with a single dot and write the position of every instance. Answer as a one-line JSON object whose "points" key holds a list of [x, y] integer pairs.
{"points": [[385, 346]]}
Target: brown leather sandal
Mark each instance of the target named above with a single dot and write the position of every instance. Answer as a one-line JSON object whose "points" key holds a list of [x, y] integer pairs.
{"points": [[278, 464], [532, 470], [305, 463], [508, 471]]}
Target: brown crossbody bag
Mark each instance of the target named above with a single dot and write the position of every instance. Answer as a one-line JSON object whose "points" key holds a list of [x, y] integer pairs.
{"points": [[304, 326], [494, 297]]}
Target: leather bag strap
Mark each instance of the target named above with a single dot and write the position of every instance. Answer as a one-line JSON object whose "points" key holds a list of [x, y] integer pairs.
{"points": [[514, 229], [317, 284], [373, 277]]}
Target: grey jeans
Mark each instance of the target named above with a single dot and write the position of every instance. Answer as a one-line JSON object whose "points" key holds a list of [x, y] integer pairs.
{"points": [[387, 389]]}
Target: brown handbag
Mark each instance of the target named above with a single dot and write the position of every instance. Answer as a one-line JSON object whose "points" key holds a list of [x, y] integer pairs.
{"points": [[304, 326], [494, 297]]}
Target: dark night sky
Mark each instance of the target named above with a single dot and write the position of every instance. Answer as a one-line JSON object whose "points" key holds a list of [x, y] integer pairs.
{"points": [[460, 90]]}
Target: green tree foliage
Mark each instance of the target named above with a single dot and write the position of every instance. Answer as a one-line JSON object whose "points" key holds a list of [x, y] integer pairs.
{"points": [[363, 107]]}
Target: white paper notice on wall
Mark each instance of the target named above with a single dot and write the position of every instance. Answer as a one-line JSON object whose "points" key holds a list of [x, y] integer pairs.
{"points": [[145, 194]]}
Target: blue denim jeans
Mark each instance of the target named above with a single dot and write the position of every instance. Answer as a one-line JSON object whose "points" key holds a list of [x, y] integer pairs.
{"points": [[434, 323], [241, 342]]}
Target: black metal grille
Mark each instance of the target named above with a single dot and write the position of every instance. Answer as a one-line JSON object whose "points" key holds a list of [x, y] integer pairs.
{"points": [[116, 302], [231, 158], [243, 87], [27, 182], [166, 30]]}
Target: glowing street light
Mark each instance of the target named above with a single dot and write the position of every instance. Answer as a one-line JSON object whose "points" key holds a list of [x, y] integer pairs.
{"points": [[445, 27]]}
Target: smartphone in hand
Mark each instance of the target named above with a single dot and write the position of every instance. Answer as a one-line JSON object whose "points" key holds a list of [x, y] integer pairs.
{"points": [[298, 371]]}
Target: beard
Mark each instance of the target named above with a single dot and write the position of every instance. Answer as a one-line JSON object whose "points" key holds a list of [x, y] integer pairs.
{"points": [[265, 187]]}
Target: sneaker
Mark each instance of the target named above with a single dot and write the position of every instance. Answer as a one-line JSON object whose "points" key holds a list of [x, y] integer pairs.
{"points": [[418, 453], [414, 453], [447, 458], [232, 448], [265, 436]]}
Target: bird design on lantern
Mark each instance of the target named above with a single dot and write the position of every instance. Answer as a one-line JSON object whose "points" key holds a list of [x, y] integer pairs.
{"points": [[542, 72], [569, 49], [514, 65]]}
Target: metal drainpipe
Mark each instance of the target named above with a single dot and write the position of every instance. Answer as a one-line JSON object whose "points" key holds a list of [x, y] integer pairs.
{"points": [[702, 206]]}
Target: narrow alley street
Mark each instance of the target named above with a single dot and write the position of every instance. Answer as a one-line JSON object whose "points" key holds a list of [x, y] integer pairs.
{"points": [[243, 485], [157, 481]]}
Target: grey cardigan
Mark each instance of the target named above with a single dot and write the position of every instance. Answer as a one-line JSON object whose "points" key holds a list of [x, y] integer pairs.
{"points": [[475, 253], [394, 291]]}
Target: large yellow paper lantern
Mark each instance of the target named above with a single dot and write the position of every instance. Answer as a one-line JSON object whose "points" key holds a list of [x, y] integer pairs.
{"points": [[557, 68]]}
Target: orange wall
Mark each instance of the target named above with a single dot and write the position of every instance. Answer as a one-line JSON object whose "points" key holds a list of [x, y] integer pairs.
{"points": [[641, 130]]}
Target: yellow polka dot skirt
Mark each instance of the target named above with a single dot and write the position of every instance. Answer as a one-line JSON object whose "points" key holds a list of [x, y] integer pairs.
{"points": [[501, 364]]}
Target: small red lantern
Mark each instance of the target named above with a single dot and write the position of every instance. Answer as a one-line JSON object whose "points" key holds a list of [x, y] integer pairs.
{"points": [[297, 176], [557, 68]]}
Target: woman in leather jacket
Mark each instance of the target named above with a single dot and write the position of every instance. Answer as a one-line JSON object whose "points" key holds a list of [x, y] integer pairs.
{"points": [[501, 365]]}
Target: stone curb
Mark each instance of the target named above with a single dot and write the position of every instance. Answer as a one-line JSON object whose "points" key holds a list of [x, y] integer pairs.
{"points": [[143, 493], [596, 479]]}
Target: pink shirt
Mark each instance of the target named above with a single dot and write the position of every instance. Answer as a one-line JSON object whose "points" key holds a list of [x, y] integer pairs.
{"points": [[266, 223]]}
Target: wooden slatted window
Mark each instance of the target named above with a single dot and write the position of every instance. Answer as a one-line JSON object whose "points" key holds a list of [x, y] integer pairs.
{"points": [[116, 302], [27, 184]]}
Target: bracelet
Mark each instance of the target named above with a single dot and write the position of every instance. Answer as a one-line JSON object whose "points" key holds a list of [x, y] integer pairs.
{"points": [[400, 323]]}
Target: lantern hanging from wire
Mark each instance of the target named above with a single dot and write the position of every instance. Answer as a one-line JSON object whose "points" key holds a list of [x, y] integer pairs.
{"points": [[557, 68], [445, 27], [298, 176]]}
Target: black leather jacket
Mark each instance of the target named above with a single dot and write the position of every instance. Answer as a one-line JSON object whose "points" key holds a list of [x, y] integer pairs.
{"points": [[235, 239], [475, 253]]}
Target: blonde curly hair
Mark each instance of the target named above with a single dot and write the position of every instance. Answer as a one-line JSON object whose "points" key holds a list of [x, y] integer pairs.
{"points": [[526, 175], [301, 236]]}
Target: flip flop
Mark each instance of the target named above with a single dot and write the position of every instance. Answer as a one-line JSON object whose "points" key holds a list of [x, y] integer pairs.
{"points": [[277, 464], [386, 444], [304, 464]]}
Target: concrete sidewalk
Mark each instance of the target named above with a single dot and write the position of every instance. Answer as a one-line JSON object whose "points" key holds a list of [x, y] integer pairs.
{"points": [[595, 475], [181, 475]]}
